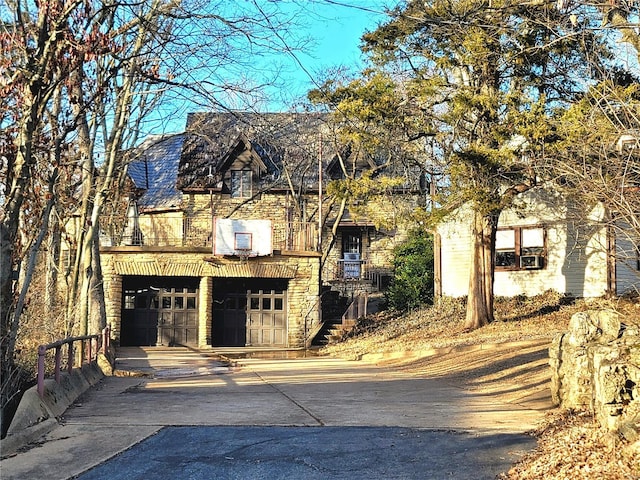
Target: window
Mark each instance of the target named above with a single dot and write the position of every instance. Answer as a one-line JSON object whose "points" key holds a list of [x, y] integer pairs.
{"points": [[351, 243], [240, 183], [129, 299], [520, 248]]}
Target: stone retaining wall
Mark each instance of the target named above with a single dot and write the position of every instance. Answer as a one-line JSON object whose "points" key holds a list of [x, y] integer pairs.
{"points": [[596, 366]]}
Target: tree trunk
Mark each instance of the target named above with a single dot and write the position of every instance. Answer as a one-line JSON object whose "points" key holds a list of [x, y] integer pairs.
{"points": [[97, 310], [17, 181], [480, 299], [86, 271], [53, 251], [334, 233]]}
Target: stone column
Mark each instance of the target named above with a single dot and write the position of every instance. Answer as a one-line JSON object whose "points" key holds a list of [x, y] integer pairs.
{"points": [[113, 303], [205, 319], [303, 299]]}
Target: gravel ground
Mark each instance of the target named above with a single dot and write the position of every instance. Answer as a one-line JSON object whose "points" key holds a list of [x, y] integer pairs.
{"points": [[570, 444]]}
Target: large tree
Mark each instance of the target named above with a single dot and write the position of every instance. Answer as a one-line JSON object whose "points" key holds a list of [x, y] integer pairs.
{"points": [[598, 155], [79, 79], [35, 50], [367, 117], [480, 80]]}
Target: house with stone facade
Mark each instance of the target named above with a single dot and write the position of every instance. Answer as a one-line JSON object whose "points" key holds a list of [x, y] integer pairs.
{"points": [[228, 238], [544, 242]]}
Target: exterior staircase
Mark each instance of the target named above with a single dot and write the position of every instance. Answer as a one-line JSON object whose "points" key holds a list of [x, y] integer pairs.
{"points": [[340, 318], [335, 331], [333, 306]]}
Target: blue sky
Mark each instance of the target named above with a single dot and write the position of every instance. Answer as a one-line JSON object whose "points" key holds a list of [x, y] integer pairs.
{"points": [[333, 28], [336, 33]]}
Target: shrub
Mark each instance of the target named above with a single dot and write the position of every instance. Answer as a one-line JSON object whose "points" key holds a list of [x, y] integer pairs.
{"points": [[412, 282]]}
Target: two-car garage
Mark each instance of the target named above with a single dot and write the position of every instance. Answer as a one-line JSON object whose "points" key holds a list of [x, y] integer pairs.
{"points": [[165, 311]]}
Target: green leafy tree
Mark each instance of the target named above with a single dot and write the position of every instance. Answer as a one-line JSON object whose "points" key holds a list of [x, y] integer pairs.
{"points": [[473, 86], [366, 119], [412, 282]]}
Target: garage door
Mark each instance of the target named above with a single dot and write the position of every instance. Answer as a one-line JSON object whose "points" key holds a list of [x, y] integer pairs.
{"points": [[250, 312], [159, 311]]}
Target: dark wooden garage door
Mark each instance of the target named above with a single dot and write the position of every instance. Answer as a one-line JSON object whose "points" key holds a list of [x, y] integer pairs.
{"points": [[250, 312], [159, 311]]}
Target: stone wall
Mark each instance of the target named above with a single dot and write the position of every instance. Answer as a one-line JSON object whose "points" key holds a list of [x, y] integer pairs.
{"points": [[596, 366], [301, 271], [269, 206]]}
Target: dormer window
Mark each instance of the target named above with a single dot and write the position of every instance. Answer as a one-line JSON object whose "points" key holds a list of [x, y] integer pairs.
{"points": [[240, 183]]}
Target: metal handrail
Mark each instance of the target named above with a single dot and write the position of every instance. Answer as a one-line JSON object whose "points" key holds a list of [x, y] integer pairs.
{"points": [[362, 269], [357, 308], [105, 337], [178, 230]]}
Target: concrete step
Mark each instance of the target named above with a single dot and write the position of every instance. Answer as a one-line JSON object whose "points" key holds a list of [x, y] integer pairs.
{"points": [[338, 331]]}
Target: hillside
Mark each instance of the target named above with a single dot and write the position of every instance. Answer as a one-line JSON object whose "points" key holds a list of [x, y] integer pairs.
{"points": [[513, 359]]}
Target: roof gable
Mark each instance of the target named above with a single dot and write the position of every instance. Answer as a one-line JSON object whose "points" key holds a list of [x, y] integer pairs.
{"points": [[350, 162], [274, 141], [243, 144]]}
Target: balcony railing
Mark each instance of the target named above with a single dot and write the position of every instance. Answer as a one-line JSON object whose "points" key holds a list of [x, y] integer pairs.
{"points": [[356, 270], [296, 236], [171, 230]]}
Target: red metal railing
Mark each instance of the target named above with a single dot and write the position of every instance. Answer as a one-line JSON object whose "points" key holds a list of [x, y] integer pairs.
{"points": [[92, 343]]}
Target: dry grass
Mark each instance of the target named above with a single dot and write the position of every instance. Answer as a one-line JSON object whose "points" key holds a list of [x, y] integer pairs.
{"points": [[570, 444], [442, 325]]}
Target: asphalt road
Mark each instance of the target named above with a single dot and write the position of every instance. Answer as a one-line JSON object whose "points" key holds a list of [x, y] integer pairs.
{"points": [[273, 418], [313, 453]]}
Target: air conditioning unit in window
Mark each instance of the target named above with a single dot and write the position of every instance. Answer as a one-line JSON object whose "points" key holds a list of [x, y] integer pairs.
{"points": [[628, 142], [531, 261]]}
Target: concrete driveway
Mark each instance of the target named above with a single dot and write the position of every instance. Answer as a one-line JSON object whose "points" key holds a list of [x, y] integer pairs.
{"points": [[197, 413]]}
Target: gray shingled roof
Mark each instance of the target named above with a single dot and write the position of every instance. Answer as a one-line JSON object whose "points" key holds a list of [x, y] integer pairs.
{"points": [[156, 172], [285, 147], [278, 139]]}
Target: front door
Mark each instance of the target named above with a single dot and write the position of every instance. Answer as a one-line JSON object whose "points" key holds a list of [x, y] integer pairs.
{"points": [[351, 254]]}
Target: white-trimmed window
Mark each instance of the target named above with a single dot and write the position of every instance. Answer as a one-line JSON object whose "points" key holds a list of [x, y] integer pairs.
{"points": [[520, 248], [240, 183]]}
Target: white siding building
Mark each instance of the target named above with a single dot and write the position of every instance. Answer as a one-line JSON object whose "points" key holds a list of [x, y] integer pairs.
{"points": [[541, 245]]}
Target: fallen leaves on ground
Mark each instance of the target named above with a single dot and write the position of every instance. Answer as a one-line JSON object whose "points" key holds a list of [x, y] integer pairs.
{"points": [[571, 446]]}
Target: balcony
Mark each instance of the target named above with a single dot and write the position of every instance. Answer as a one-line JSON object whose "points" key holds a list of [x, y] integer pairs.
{"points": [[351, 270], [176, 230]]}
